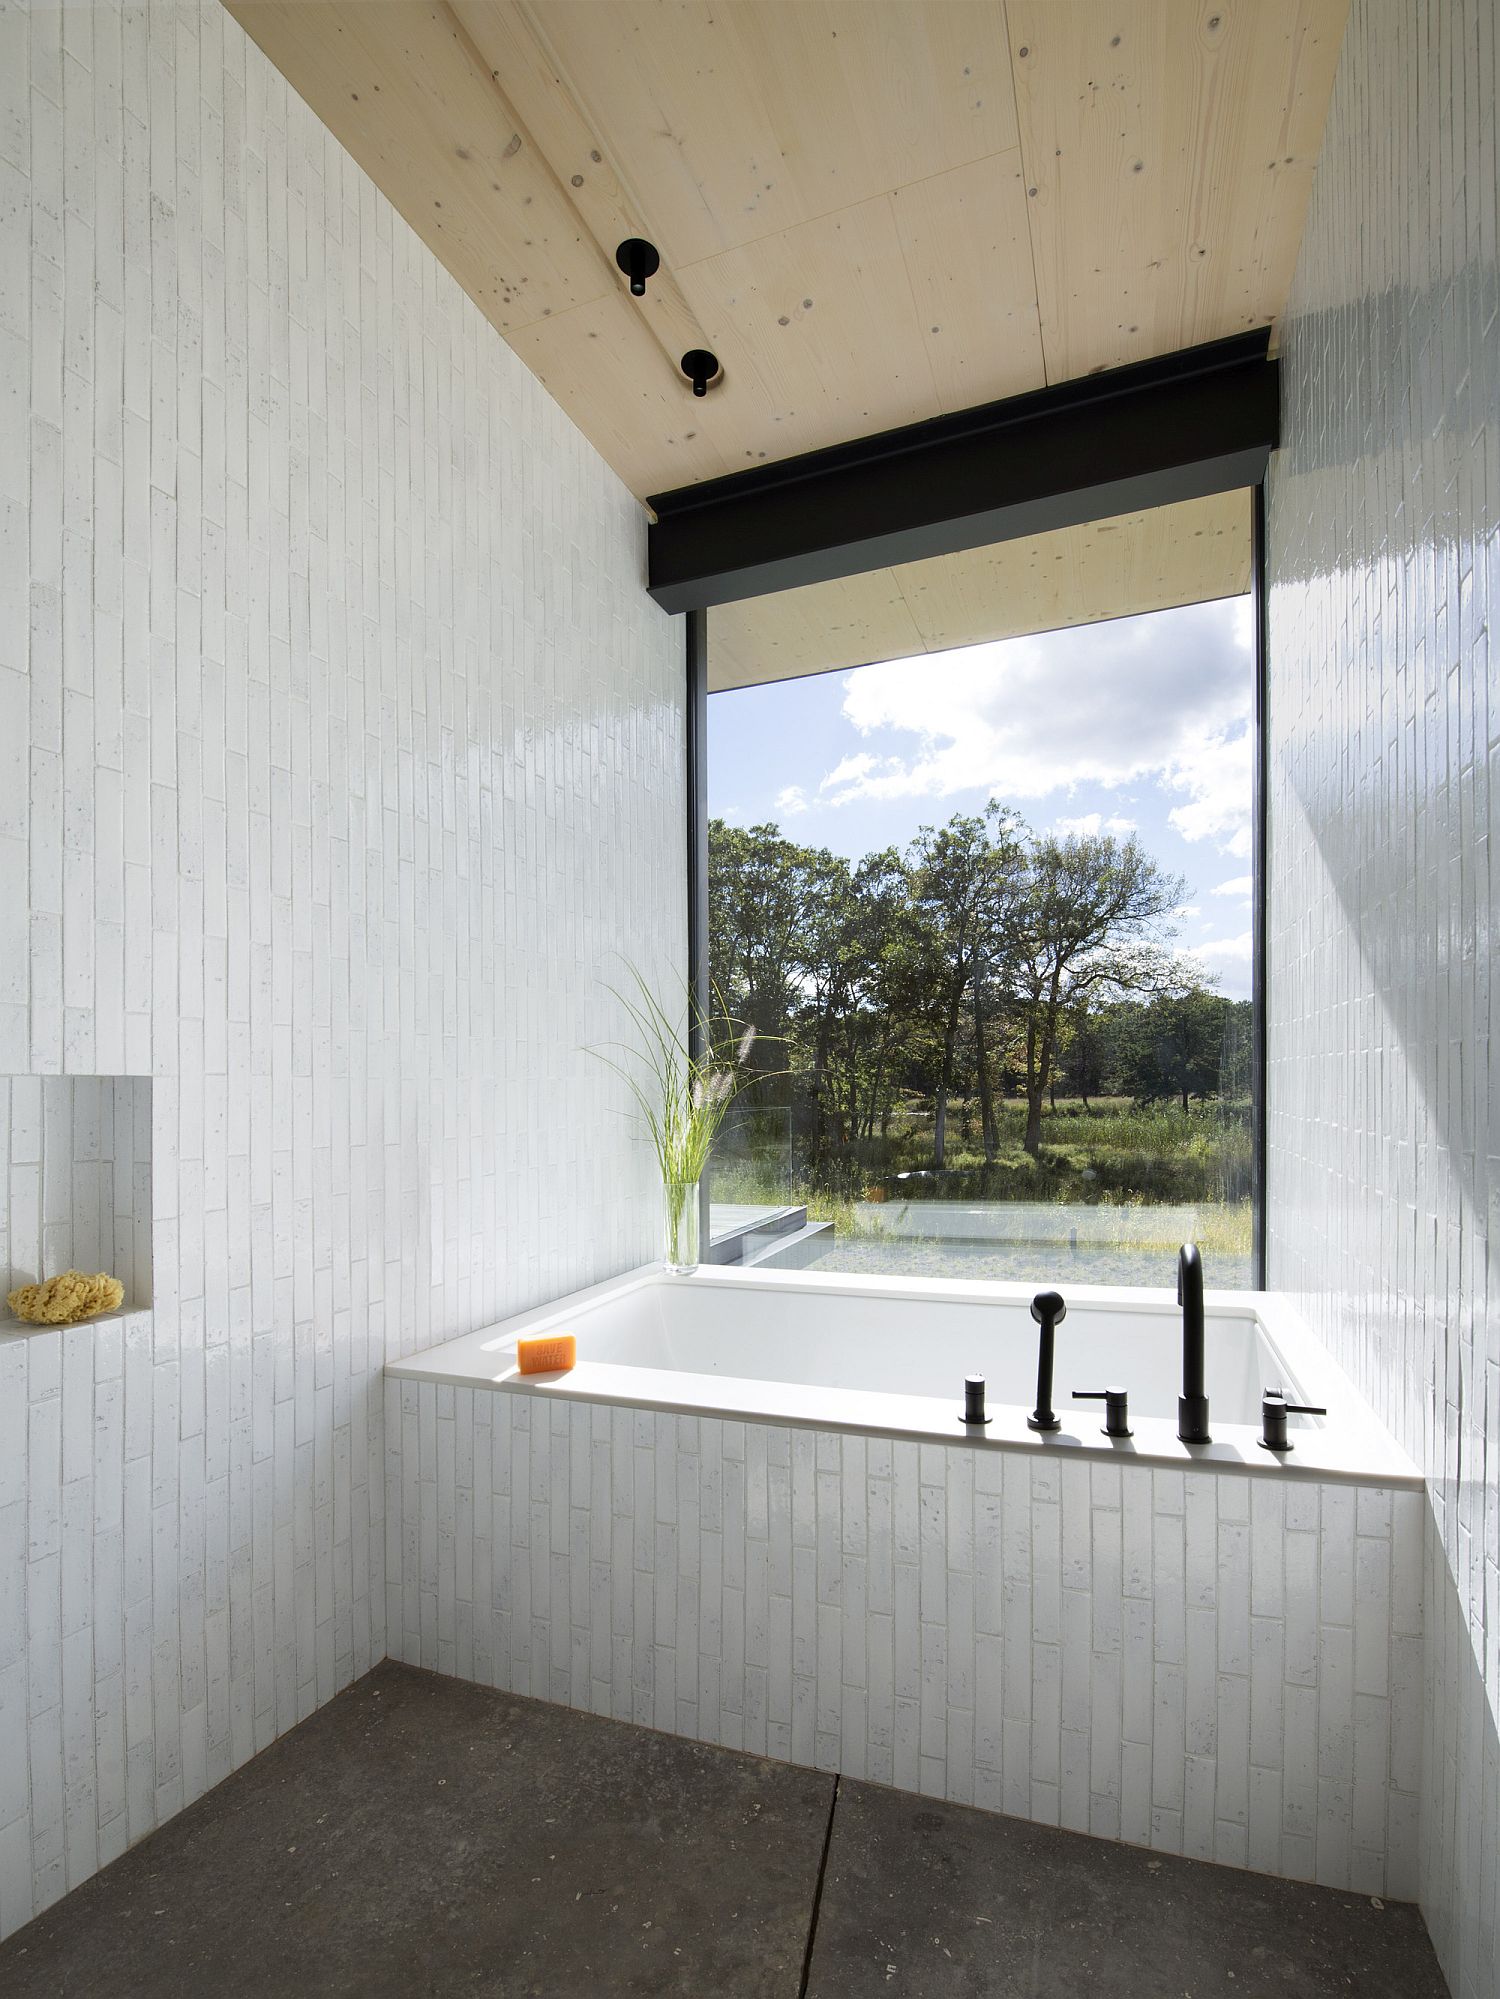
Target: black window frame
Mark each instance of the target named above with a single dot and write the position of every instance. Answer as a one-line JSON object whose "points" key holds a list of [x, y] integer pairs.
{"points": [[1180, 427]]}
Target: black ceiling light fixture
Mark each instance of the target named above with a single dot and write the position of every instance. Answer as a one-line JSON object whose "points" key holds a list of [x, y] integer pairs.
{"points": [[639, 260], [702, 369]]}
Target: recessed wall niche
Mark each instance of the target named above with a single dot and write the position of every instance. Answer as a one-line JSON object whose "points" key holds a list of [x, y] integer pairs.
{"points": [[75, 1152]]}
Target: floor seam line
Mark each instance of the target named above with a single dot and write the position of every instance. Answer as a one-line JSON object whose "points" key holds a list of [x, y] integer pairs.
{"points": [[817, 1901]]}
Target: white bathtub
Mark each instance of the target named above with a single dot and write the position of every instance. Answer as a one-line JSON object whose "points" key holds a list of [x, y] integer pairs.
{"points": [[751, 1516], [888, 1356]]}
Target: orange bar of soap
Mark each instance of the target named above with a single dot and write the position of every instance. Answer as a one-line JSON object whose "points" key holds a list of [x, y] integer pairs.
{"points": [[553, 1355]]}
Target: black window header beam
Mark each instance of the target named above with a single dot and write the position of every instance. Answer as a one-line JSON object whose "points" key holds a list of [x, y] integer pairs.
{"points": [[1180, 427]]}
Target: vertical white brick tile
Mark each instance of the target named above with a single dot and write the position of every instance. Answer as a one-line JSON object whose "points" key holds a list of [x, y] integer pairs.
{"points": [[1381, 1169], [1200, 1683], [1168, 1588], [215, 792], [1263, 1841], [1303, 1650], [1300, 1781]]}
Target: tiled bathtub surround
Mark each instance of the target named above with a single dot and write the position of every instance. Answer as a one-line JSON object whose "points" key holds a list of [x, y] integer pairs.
{"points": [[1223, 1666], [339, 749], [77, 1189], [1385, 584]]}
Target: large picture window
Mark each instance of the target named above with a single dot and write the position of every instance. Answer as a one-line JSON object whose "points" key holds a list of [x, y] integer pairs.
{"points": [[989, 911]]}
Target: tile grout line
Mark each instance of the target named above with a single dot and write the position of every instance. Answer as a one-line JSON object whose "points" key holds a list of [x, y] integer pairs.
{"points": [[817, 1901]]}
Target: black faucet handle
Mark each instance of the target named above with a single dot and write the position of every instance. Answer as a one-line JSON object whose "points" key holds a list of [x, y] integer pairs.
{"points": [[1274, 1410], [1049, 1308], [1116, 1408], [974, 1409]]}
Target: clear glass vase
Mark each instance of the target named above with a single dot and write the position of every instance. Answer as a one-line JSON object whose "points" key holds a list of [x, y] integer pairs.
{"points": [[680, 1246]]}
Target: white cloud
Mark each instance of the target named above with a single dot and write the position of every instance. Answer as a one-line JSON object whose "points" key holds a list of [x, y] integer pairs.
{"points": [[1215, 774], [1089, 823], [1239, 885], [1165, 696], [850, 770], [791, 800], [1220, 953], [1223, 962], [1186, 909]]}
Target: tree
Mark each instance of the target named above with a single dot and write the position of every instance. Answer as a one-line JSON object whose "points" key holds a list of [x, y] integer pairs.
{"points": [[758, 895], [964, 877], [1178, 1046], [979, 959], [1089, 924], [1087, 1044], [849, 1021], [989, 1000], [816, 953]]}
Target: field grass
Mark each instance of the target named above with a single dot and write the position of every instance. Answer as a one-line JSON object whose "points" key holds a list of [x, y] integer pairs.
{"points": [[1113, 1154]]}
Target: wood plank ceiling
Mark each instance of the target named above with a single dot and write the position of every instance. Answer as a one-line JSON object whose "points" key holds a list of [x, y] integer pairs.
{"points": [[872, 211], [1183, 554]]}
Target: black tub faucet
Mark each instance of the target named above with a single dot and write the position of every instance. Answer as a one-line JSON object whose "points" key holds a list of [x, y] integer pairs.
{"points": [[1048, 1309], [1274, 1410], [1116, 1408], [1192, 1404]]}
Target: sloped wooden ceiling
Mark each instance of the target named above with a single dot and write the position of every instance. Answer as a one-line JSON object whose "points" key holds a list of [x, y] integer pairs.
{"points": [[873, 211], [1183, 554]]}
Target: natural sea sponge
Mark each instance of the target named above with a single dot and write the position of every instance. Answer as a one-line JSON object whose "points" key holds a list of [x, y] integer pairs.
{"points": [[65, 1299]]}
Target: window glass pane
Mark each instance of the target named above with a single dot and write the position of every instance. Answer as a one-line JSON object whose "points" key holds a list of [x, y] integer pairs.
{"points": [[989, 912]]}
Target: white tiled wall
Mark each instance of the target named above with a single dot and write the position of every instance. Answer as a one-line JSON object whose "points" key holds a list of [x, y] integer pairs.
{"points": [[76, 1191], [1228, 1667], [1385, 804], [339, 750]]}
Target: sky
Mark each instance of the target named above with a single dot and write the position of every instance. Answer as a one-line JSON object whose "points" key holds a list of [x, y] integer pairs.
{"points": [[1140, 725]]}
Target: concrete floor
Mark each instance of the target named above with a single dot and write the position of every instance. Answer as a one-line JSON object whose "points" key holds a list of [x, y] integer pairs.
{"points": [[424, 1837]]}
